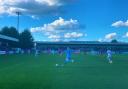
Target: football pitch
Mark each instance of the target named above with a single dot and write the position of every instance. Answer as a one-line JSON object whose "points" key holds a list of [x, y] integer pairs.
{"points": [[87, 72]]}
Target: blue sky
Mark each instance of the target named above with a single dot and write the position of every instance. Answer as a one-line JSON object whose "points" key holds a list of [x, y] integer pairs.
{"points": [[65, 20]]}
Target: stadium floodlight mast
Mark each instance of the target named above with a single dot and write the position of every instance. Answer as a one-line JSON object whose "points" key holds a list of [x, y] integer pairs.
{"points": [[18, 19]]}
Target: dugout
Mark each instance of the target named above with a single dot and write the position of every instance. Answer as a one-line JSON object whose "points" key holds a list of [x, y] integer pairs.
{"points": [[6, 42]]}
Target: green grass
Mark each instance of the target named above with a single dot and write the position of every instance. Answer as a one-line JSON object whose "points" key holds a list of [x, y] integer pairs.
{"points": [[87, 72]]}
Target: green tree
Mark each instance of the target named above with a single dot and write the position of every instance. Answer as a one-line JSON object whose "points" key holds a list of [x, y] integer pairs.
{"points": [[114, 41], [12, 32], [26, 40]]}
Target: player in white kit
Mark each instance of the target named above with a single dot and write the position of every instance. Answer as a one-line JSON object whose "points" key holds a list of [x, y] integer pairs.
{"points": [[109, 56], [36, 51]]}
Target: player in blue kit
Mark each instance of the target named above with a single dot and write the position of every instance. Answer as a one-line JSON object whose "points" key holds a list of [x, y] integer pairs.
{"points": [[68, 54]]}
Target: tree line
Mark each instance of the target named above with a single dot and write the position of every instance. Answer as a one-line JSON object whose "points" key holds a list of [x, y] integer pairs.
{"points": [[25, 38]]}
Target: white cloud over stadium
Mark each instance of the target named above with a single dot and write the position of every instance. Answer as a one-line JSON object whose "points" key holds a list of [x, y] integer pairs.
{"points": [[60, 29], [54, 36], [111, 36], [73, 35], [108, 37], [58, 25]]}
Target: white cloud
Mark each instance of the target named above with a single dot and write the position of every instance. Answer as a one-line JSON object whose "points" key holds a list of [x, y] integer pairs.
{"points": [[57, 25], [73, 35], [35, 17], [37, 29], [100, 40], [110, 36], [120, 24], [126, 35], [49, 2], [60, 29], [32, 7], [85, 35], [55, 40], [54, 37]]}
